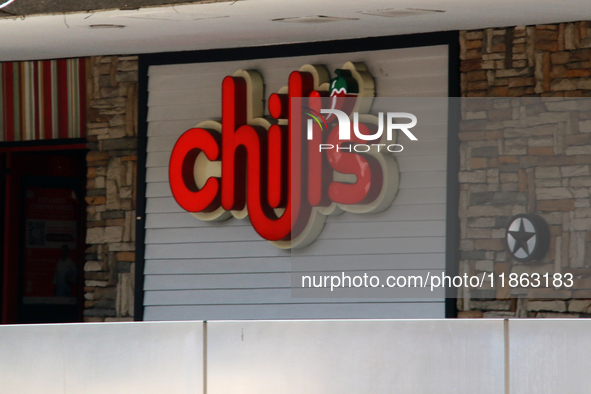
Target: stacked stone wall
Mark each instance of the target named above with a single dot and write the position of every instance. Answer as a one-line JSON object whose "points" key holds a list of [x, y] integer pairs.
{"points": [[111, 188], [542, 166]]}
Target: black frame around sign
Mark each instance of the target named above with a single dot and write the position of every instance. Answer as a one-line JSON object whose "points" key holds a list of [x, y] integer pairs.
{"points": [[449, 38]]}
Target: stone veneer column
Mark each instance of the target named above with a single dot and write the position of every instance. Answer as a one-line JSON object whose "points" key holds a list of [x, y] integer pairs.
{"points": [[111, 188], [543, 169]]}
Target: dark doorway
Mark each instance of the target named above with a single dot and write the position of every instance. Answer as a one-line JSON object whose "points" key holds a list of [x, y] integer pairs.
{"points": [[44, 235]]}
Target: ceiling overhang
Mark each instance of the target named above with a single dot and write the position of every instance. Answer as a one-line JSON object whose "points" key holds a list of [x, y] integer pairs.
{"points": [[244, 23], [20, 8]]}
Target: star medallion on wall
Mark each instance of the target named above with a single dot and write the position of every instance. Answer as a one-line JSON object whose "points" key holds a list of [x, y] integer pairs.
{"points": [[527, 237]]}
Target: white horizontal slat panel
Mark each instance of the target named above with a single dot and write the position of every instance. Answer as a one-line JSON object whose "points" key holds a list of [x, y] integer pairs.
{"points": [[157, 159], [223, 281], [200, 234], [401, 309], [389, 87], [406, 163], [397, 212], [235, 248], [422, 196], [426, 179], [186, 96], [425, 130], [407, 60], [180, 111], [197, 269], [382, 64], [218, 265], [404, 197], [422, 163], [425, 147], [175, 127], [243, 248], [419, 196], [402, 213], [254, 280], [157, 174], [386, 245], [162, 143], [428, 228], [422, 93], [171, 120], [284, 264], [158, 189], [251, 296]]}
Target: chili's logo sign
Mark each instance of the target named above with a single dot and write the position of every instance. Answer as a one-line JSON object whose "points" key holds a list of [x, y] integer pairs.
{"points": [[318, 152]]}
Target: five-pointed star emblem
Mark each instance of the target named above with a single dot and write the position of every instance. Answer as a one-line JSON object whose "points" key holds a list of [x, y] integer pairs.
{"points": [[521, 238]]}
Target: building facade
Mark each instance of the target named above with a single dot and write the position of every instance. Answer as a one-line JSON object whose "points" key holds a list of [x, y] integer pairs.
{"points": [[145, 258]]}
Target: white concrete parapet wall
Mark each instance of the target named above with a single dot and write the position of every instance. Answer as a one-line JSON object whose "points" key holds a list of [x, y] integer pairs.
{"points": [[364, 356], [320, 356], [147, 358]]}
